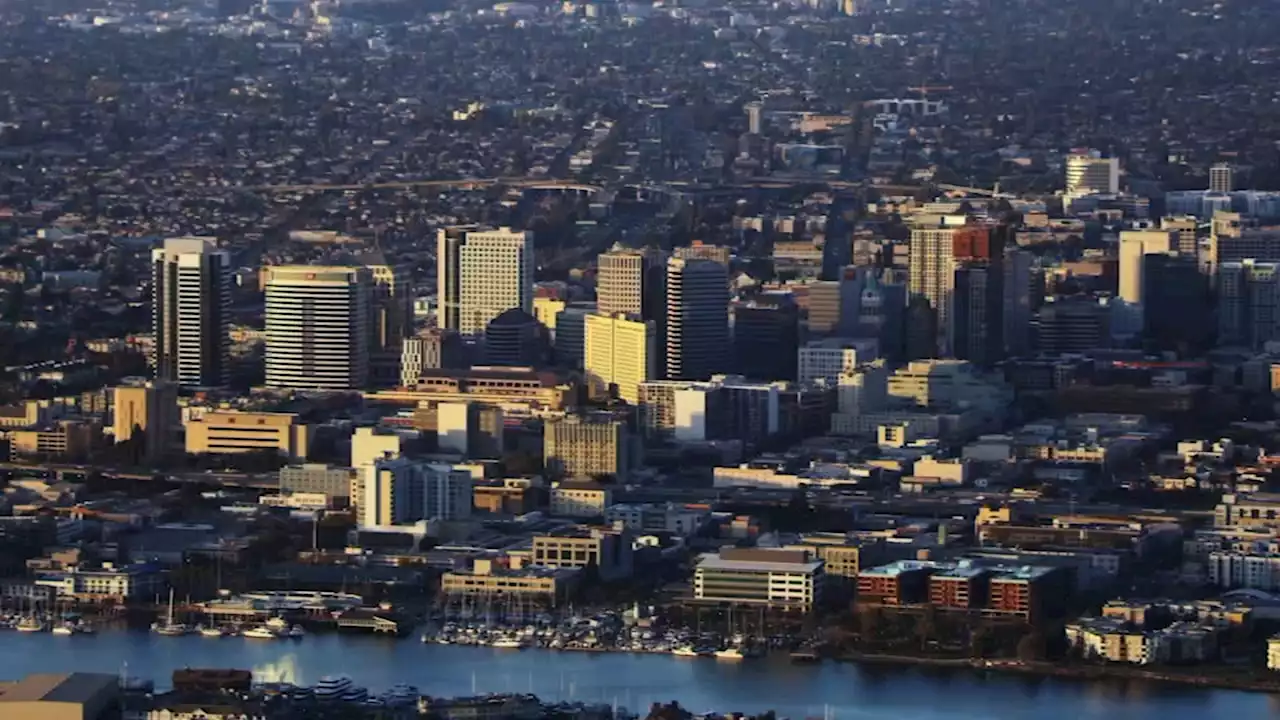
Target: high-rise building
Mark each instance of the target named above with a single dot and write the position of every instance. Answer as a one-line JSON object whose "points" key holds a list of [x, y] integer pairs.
{"points": [[1235, 238], [515, 338], [402, 491], [1018, 301], [317, 327], [494, 274], [571, 334], [579, 446], [699, 250], [1222, 178], [391, 320], [1087, 173], [431, 349], [697, 328], [1176, 304], [620, 353], [150, 409], [191, 312], [474, 430], [1073, 325], [1134, 246], [766, 335], [630, 281], [755, 117], [931, 279], [976, 329], [449, 243], [1185, 227], [1248, 303]]}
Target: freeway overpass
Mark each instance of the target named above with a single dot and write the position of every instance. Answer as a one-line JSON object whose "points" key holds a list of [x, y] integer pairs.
{"points": [[62, 471]]}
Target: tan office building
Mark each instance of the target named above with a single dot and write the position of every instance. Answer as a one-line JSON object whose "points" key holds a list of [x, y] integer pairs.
{"points": [[151, 408], [620, 352], [578, 446], [229, 431]]}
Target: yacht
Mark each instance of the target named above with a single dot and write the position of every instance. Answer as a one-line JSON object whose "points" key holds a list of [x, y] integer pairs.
{"points": [[732, 653], [212, 631], [332, 687], [30, 623], [277, 623], [169, 627], [261, 632], [401, 695], [66, 628], [297, 632], [355, 695], [508, 643], [684, 651]]}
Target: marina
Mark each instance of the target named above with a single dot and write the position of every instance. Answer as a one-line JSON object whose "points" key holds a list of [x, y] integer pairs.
{"points": [[634, 680]]}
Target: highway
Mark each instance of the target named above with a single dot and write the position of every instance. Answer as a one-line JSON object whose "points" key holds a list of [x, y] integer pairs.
{"points": [[226, 479]]}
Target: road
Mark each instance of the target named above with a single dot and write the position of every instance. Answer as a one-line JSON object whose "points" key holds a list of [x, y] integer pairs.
{"points": [[243, 480]]}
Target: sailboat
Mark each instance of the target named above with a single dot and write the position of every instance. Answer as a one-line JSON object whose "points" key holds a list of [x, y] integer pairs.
{"points": [[169, 627]]}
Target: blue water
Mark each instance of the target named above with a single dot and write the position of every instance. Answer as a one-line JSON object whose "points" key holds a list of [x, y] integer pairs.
{"points": [[634, 681]]}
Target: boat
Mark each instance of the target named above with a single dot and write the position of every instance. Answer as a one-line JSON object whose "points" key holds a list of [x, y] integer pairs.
{"points": [[684, 651], [355, 695], [297, 632], [65, 628], [30, 623], [214, 632], [332, 687], [262, 632], [401, 695], [508, 644], [169, 627], [732, 653], [277, 623]]}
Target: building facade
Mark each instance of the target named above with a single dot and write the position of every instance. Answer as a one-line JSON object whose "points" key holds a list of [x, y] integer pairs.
{"points": [[317, 324], [191, 312]]}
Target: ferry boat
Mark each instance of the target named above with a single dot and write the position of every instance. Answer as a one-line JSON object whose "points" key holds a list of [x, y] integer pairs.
{"points": [[332, 687]]}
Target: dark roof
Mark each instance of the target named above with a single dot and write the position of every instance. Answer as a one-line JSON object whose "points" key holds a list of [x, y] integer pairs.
{"points": [[64, 688], [514, 316]]}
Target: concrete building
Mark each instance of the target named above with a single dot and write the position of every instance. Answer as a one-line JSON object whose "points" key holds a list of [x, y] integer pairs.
{"points": [[1235, 237], [317, 478], [1135, 245], [191, 312], [506, 386], [580, 499], [608, 551], [401, 491], [431, 349], [515, 339], [631, 282], [697, 328], [1074, 324], [494, 274], [698, 250], [491, 579], [231, 432], [680, 520], [391, 319], [70, 440], [587, 446], [150, 409], [782, 579], [74, 696], [830, 358], [317, 324], [1248, 303], [621, 351], [930, 282], [1086, 174], [473, 430], [1222, 178], [766, 334], [948, 384], [571, 334]]}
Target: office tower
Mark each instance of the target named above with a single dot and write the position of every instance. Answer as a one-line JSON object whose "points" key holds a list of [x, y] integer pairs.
{"points": [[701, 251], [931, 279], [1134, 246], [571, 334], [583, 446], [830, 358], [430, 349], [546, 310], [766, 335], [630, 281], [881, 313], [191, 312], [1248, 303], [494, 270], [391, 319], [755, 117], [401, 491], [1018, 302], [317, 327], [1176, 304], [976, 329], [1222, 178], [1088, 174], [697, 328], [1235, 238], [515, 338], [620, 353], [474, 430], [1076, 324], [1184, 227], [150, 409], [827, 299], [449, 274]]}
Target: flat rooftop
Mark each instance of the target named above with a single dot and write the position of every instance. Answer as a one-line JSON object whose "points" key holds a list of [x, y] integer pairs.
{"points": [[62, 688], [715, 562]]}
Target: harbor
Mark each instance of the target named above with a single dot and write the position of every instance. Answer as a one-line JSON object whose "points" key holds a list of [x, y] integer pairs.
{"points": [[632, 680]]}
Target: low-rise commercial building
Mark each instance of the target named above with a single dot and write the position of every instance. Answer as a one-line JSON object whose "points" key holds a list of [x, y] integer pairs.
{"points": [[580, 499], [608, 551], [781, 579], [490, 578], [225, 432], [74, 696]]}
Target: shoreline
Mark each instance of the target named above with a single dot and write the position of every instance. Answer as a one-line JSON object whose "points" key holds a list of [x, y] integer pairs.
{"points": [[1043, 669]]}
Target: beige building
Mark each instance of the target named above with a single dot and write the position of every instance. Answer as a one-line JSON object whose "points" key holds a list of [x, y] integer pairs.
{"points": [[67, 439], [577, 499], [231, 431], [492, 579], [318, 321], [629, 281], [500, 386], [1134, 246], [151, 408], [586, 446], [620, 352], [606, 549], [75, 696]]}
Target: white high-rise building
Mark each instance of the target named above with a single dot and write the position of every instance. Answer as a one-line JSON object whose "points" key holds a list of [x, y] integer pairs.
{"points": [[191, 311], [317, 327], [401, 491], [1089, 174], [494, 274]]}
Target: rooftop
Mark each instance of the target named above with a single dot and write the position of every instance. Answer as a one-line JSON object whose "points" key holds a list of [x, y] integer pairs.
{"points": [[715, 562], [62, 688]]}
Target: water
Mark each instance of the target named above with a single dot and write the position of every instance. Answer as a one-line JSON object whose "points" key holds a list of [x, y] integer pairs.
{"points": [[832, 690]]}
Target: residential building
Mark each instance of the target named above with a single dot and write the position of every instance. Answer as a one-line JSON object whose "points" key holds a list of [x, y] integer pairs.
{"points": [[1221, 178], [400, 491], [391, 319], [317, 321], [1087, 173], [231, 431], [905, 582], [621, 352], [191, 312], [1248, 308], [697, 327], [587, 446], [783, 579]]}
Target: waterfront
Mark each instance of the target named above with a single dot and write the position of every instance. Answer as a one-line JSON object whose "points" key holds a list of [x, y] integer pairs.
{"points": [[830, 689]]}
